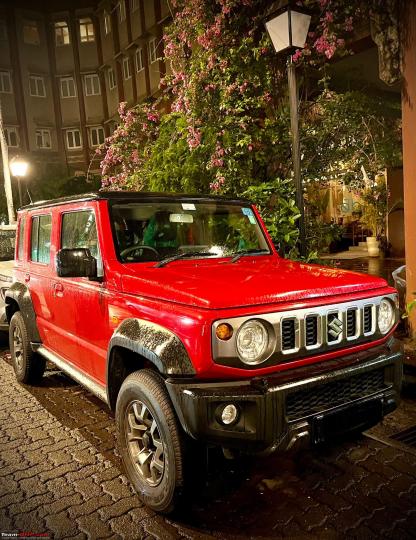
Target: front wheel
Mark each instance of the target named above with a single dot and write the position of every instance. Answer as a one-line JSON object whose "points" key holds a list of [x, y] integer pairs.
{"points": [[28, 366], [149, 440]]}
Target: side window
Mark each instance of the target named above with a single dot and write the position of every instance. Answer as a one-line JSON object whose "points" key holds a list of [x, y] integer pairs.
{"points": [[20, 246], [40, 239], [80, 231]]}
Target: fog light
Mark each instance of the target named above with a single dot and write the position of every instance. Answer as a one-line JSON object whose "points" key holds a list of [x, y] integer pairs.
{"points": [[229, 414]]}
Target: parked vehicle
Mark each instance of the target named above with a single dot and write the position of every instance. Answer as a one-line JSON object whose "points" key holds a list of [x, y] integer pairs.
{"points": [[179, 314], [6, 279]]}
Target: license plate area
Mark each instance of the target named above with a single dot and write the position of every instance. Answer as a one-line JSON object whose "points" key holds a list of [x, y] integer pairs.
{"points": [[357, 417]]}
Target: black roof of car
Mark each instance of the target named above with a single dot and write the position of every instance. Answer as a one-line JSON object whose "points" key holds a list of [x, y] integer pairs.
{"points": [[120, 196]]}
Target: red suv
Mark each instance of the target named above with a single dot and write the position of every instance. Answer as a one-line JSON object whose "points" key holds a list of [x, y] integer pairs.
{"points": [[180, 315]]}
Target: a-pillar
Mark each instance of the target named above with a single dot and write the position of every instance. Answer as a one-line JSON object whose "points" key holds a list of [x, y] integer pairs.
{"points": [[409, 153]]}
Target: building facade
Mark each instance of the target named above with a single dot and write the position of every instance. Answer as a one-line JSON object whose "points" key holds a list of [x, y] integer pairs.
{"points": [[65, 67]]}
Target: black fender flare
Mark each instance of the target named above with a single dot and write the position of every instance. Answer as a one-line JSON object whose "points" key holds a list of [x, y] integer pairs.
{"points": [[156, 343], [19, 293]]}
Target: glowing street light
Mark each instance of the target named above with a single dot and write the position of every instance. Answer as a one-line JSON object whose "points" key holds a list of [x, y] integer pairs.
{"points": [[19, 168]]}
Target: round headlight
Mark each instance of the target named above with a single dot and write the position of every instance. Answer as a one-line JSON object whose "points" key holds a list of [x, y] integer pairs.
{"points": [[386, 316], [252, 342]]}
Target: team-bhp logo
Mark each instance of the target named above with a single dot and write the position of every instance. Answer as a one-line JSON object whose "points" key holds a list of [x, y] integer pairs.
{"points": [[335, 327]]}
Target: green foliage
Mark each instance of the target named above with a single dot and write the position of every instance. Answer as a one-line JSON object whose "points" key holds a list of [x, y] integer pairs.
{"points": [[276, 203], [375, 207]]}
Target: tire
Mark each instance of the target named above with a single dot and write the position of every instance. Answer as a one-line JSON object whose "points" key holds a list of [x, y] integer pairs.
{"points": [[28, 366], [144, 401]]}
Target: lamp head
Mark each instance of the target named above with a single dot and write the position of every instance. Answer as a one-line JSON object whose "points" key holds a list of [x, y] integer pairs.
{"points": [[288, 28]]}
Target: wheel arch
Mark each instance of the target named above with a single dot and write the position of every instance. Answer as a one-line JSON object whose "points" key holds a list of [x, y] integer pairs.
{"points": [[18, 298], [138, 344]]}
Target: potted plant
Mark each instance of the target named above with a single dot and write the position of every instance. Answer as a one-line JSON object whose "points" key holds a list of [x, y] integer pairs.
{"points": [[374, 213]]}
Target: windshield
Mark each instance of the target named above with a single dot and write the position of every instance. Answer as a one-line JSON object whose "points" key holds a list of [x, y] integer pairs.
{"points": [[154, 231]]}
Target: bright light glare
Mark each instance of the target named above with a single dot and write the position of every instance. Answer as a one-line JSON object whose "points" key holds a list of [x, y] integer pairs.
{"points": [[19, 167]]}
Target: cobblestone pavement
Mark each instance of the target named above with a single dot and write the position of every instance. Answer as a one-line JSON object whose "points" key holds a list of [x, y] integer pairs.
{"points": [[59, 474]]}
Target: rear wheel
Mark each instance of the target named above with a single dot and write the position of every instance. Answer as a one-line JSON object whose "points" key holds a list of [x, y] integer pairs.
{"points": [[28, 366], [150, 441]]}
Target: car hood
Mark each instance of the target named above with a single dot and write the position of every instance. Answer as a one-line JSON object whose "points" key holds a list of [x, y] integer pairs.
{"points": [[250, 281]]}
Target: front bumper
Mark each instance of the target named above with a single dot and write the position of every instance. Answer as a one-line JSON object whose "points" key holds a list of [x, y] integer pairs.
{"points": [[295, 407]]}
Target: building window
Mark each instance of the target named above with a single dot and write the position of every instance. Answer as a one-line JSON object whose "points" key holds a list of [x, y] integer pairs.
{"points": [[3, 30], [43, 138], [111, 79], [68, 89], [126, 68], [121, 7], [97, 136], [5, 82], [12, 139], [92, 85], [86, 30], [134, 5], [61, 33], [153, 51], [73, 138], [40, 239], [139, 60], [107, 23], [37, 86], [31, 33]]}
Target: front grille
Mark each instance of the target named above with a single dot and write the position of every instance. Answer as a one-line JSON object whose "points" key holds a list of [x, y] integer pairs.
{"points": [[351, 322], [334, 327], [311, 330], [314, 400], [367, 319], [288, 334]]}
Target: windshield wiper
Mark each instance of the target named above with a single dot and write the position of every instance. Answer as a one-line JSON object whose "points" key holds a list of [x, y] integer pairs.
{"points": [[245, 252], [183, 255]]}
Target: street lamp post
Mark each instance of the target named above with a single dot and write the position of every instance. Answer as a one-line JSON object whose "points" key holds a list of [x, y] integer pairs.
{"points": [[18, 168], [288, 29]]}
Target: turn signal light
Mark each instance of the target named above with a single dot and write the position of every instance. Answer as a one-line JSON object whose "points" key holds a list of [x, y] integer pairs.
{"points": [[224, 331]]}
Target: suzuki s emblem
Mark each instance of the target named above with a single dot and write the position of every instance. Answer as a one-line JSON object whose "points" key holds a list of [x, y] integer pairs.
{"points": [[335, 327]]}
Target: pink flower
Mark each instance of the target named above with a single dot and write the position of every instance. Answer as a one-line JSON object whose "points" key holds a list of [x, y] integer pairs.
{"points": [[329, 17], [297, 56]]}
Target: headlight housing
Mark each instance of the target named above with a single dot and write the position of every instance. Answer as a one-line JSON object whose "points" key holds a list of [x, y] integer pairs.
{"points": [[386, 316], [252, 342]]}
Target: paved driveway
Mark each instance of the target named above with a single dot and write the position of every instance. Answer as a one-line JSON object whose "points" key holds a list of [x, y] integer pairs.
{"points": [[59, 475]]}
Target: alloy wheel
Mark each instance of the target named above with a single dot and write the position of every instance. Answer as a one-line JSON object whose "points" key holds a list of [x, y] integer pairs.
{"points": [[18, 347]]}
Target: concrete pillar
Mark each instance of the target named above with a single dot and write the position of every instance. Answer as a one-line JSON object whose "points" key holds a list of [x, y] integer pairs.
{"points": [[409, 153]]}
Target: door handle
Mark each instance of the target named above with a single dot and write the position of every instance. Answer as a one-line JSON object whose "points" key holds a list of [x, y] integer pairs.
{"points": [[27, 278], [58, 289]]}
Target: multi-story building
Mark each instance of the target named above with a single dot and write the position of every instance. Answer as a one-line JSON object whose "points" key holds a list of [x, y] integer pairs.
{"points": [[65, 65]]}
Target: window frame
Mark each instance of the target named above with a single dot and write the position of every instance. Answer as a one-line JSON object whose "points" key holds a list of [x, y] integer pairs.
{"points": [[111, 79], [67, 140], [31, 23], [91, 77], [12, 129], [139, 54], [121, 8], [37, 79], [59, 27], [5, 74], [153, 51], [33, 217], [61, 85], [96, 129], [127, 74], [86, 22], [107, 23], [100, 269], [42, 132]]}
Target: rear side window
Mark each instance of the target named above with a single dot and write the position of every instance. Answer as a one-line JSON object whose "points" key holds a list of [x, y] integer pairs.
{"points": [[41, 239], [20, 246]]}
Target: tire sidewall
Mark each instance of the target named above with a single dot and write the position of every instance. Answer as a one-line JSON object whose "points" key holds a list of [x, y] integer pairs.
{"points": [[20, 372], [159, 497]]}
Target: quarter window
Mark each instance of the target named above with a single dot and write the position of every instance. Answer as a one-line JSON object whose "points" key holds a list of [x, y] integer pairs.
{"points": [[43, 138], [37, 86], [5, 82], [86, 30], [12, 138], [73, 138], [31, 33], [92, 85], [68, 87], [21, 244], [80, 231], [40, 239], [61, 33], [97, 136]]}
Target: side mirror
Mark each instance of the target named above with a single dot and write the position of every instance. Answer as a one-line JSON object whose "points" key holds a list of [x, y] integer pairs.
{"points": [[76, 262]]}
